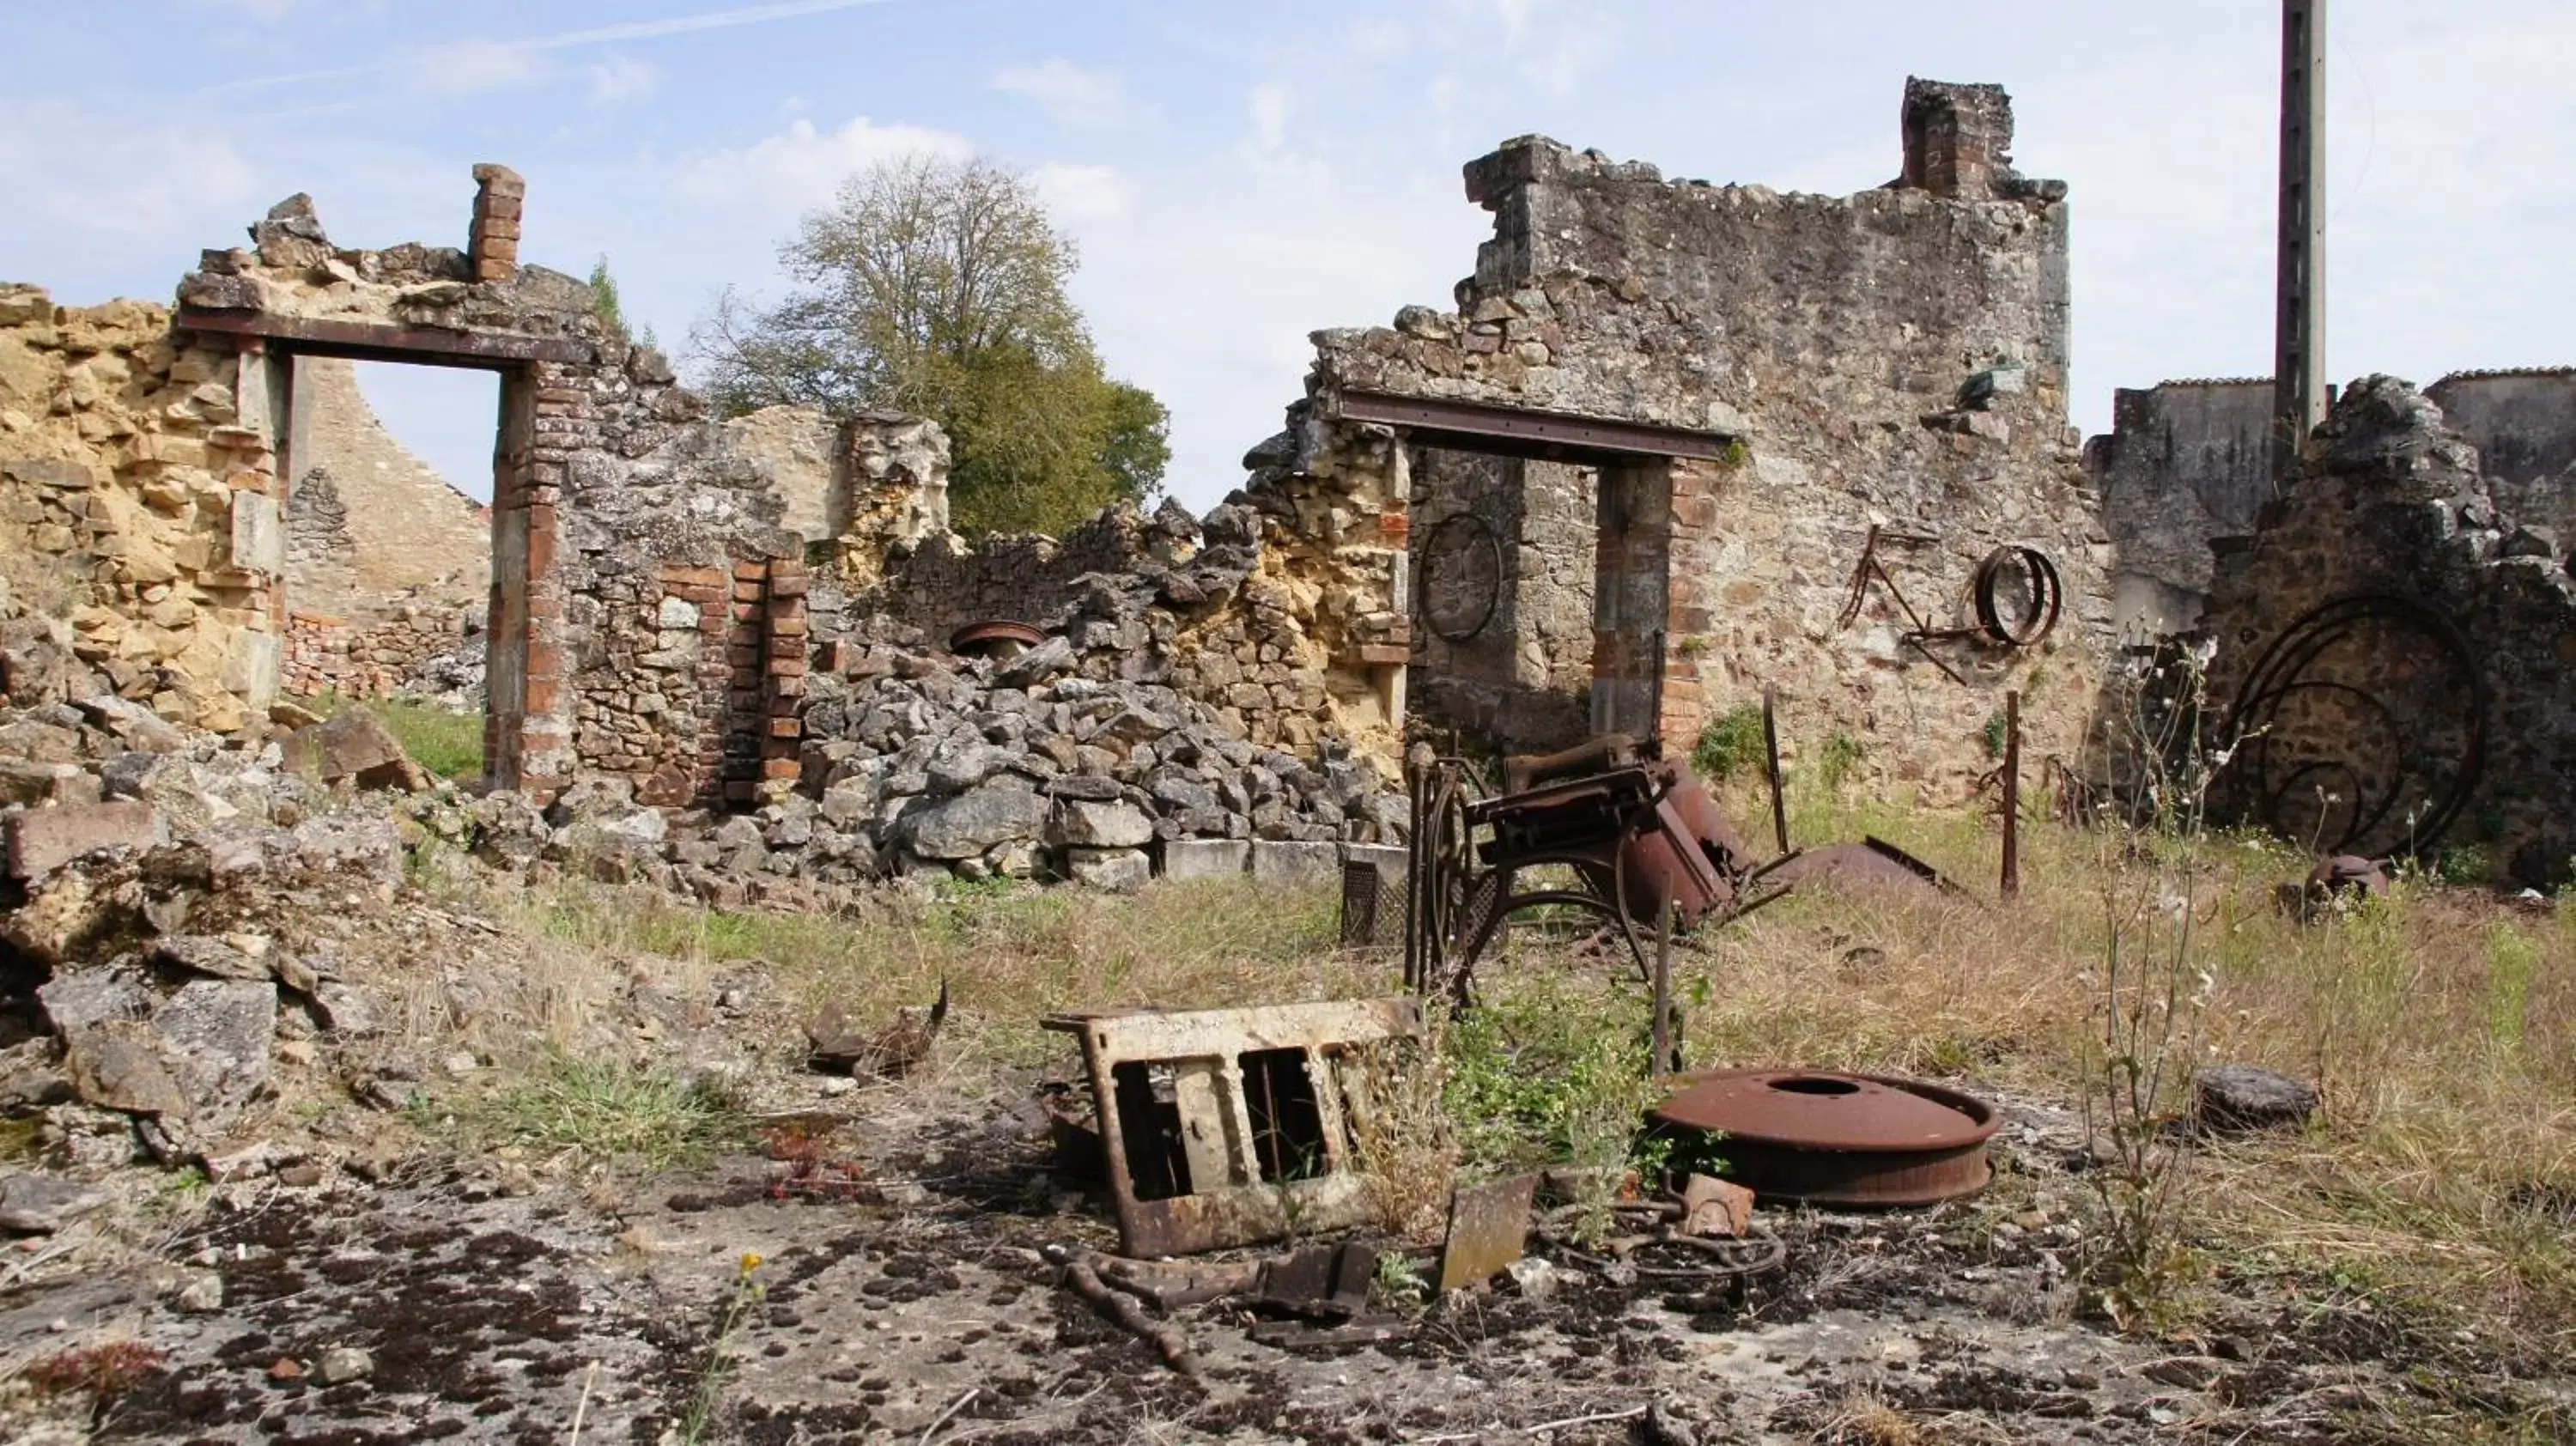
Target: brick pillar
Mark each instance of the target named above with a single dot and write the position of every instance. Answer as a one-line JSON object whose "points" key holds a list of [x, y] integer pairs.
{"points": [[1653, 603], [1958, 139], [782, 726], [493, 244], [546, 420]]}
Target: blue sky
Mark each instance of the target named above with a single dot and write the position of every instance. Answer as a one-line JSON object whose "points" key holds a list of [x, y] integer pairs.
{"points": [[1239, 175]]}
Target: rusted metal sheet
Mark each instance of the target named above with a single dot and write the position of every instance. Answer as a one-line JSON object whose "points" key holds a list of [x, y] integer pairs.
{"points": [[1231, 1126], [1488, 1230], [1842, 1139], [1544, 434], [1322, 1282], [375, 341]]}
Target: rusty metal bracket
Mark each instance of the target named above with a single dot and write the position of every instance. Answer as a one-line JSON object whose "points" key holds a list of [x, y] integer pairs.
{"points": [[1231, 1126]]}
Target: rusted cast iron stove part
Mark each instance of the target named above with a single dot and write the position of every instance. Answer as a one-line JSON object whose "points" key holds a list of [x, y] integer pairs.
{"points": [[1231, 1126], [995, 637], [1839, 1139]]}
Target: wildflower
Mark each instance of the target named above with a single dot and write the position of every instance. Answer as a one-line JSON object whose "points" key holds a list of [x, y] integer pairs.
{"points": [[750, 1261]]}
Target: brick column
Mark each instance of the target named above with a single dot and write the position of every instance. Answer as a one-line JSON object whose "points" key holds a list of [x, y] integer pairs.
{"points": [[492, 246], [1652, 593], [782, 727], [546, 420]]}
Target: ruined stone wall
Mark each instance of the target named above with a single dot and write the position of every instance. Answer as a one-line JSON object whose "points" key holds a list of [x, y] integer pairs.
{"points": [[2184, 462], [2523, 424], [1503, 642], [379, 521], [943, 582], [2390, 501], [1893, 359], [334, 656], [138, 488]]}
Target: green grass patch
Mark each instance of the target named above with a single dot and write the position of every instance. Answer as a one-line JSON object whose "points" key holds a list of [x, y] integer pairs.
{"points": [[447, 743], [611, 1112]]}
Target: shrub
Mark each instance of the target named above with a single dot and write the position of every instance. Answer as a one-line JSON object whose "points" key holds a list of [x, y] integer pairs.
{"points": [[1730, 744]]}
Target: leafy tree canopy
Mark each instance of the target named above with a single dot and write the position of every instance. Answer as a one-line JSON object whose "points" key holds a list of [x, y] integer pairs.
{"points": [[938, 287]]}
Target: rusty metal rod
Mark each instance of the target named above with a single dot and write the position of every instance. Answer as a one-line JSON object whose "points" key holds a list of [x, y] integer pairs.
{"points": [[2011, 886], [1771, 751], [1664, 1044]]}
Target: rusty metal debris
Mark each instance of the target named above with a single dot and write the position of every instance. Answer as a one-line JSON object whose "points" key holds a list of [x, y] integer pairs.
{"points": [[995, 637], [1231, 1126], [2001, 620], [1362, 887], [837, 1048], [1074, 1269], [1462, 576], [1321, 1282], [2366, 703], [1839, 1139], [1488, 1229]]}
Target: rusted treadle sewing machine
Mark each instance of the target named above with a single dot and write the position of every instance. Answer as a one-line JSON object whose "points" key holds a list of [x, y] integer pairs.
{"points": [[1645, 846]]}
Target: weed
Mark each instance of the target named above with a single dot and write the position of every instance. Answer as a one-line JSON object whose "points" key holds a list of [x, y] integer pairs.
{"points": [[610, 1112], [1836, 760], [1399, 1280], [2151, 999], [746, 1292], [1731, 744], [2512, 960], [102, 1372], [1997, 726], [1534, 1079]]}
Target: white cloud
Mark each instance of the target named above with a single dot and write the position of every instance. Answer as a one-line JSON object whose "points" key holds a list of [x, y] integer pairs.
{"points": [[622, 78], [1270, 102], [1083, 196], [1378, 38], [122, 183], [1069, 93], [800, 167], [464, 67]]}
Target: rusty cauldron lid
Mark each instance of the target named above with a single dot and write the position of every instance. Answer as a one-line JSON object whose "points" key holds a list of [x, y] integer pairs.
{"points": [[1830, 1138]]}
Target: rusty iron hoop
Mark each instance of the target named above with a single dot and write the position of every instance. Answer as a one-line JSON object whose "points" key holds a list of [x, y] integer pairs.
{"points": [[2039, 613], [1454, 539], [2284, 670]]}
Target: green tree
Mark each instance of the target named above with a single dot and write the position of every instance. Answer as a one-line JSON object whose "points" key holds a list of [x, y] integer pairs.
{"points": [[939, 287], [611, 312]]}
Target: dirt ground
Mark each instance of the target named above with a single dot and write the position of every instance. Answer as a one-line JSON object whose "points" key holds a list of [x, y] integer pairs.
{"points": [[914, 1305]]}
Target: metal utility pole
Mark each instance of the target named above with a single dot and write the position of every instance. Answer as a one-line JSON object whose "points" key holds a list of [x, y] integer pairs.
{"points": [[2299, 330]]}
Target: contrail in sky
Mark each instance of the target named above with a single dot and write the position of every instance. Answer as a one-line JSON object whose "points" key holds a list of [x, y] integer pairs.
{"points": [[569, 39]]}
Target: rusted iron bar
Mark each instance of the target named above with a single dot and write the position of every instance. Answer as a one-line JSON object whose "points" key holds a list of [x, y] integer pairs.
{"points": [[2011, 886], [375, 341], [1546, 433], [1771, 755]]}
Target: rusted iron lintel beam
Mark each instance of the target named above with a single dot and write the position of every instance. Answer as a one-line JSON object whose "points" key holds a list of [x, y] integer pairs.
{"points": [[374, 341], [1479, 426]]}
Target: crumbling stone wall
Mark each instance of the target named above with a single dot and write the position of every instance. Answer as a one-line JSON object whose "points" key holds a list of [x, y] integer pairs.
{"points": [[2184, 462], [2389, 500], [2523, 424], [1503, 640], [138, 483], [942, 582], [1893, 359], [367, 520], [346, 658]]}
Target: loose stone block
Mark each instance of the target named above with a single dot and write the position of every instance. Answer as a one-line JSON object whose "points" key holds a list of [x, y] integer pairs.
{"points": [[43, 840]]}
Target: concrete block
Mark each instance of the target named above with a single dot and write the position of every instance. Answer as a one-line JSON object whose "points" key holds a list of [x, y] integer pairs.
{"points": [[1206, 858], [1390, 861], [1297, 865], [43, 840]]}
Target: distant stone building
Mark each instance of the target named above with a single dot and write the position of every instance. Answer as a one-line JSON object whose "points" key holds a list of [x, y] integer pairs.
{"points": [[1633, 479]]}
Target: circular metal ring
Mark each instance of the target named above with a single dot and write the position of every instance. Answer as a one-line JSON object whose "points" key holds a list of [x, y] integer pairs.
{"points": [[2038, 612], [1451, 555]]}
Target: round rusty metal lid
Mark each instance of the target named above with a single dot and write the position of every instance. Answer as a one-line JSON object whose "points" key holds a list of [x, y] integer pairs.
{"points": [[992, 634], [1819, 1110]]}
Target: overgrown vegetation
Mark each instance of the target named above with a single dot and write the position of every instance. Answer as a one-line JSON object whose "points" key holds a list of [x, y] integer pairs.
{"points": [[609, 1113], [1730, 745], [940, 287], [447, 743]]}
